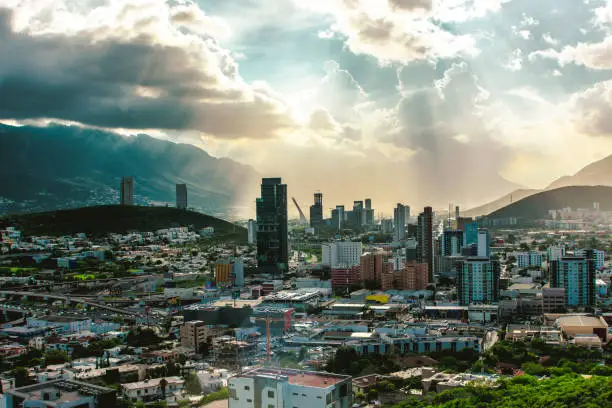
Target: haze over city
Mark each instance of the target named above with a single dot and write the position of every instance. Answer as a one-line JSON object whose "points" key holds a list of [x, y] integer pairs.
{"points": [[427, 102]]}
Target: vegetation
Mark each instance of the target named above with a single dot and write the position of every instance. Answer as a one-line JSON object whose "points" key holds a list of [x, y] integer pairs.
{"points": [[143, 337], [347, 361], [101, 220], [215, 396], [525, 391], [56, 357], [192, 384]]}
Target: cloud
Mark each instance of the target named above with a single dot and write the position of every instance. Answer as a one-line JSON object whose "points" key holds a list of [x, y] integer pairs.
{"points": [[591, 55], [135, 71], [593, 109]]}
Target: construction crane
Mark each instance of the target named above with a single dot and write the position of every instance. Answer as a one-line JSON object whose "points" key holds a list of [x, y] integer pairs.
{"points": [[302, 216], [269, 320]]}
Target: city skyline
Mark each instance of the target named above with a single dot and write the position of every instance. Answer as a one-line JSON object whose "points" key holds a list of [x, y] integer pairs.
{"points": [[462, 101]]}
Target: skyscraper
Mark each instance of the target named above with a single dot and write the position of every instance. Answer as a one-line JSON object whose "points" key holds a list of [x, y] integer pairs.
{"points": [[452, 242], [316, 211], [127, 191], [252, 231], [272, 246], [477, 281], [181, 196], [577, 276], [337, 217], [484, 243], [425, 248], [399, 221], [369, 212]]}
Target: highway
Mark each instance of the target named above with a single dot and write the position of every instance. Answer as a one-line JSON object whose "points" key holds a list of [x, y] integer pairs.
{"points": [[70, 299]]}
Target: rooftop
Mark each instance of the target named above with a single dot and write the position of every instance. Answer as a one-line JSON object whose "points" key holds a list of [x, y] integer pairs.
{"points": [[69, 390], [577, 320], [154, 382], [314, 379]]}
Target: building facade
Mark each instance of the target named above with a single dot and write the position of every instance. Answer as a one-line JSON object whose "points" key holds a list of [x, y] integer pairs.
{"points": [[194, 335], [286, 388], [577, 276], [452, 242], [126, 191], [341, 254], [252, 231], [425, 238], [527, 259], [595, 255], [316, 211], [345, 277], [181, 196], [399, 222], [272, 244], [477, 281], [484, 243]]}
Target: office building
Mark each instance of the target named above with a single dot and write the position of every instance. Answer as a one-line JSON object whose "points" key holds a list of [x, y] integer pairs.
{"points": [[288, 388], [484, 243], [477, 281], [61, 394], [555, 253], [272, 245], [595, 255], [337, 217], [223, 273], [399, 221], [527, 259], [195, 334], [238, 272], [316, 211], [425, 238], [369, 212], [127, 191], [181, 196], [452, 242], [341, 254], [252, 231], [577, 277], [373, 265], [386, 226]]}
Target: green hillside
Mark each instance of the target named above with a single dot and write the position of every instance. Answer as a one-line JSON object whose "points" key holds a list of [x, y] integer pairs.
{"points": [[536, 206], [105, 219]]}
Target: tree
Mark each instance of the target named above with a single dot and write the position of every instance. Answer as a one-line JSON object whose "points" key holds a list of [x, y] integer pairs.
{"points": [[163, 383], [22, 376], [192, 384], [56, 357]]}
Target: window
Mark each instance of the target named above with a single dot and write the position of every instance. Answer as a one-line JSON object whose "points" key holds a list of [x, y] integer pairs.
{"points": [[270, 394], [295, 393], [328, 398], [249, 400], [271, 406], [246, 387], [303, 395]]}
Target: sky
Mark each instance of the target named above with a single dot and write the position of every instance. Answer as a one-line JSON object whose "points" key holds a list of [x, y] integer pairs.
{"points": [[413, 101]]}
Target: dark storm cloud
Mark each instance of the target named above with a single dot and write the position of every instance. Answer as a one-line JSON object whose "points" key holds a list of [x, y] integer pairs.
{"points": [[134, 83]]}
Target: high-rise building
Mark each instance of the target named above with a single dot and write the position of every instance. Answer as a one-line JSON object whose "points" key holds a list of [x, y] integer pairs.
{"points": [[399, 221], [341, 254], [425, 238], [484, 243], [238, 272], [272, 245], [595, 255], [127, 191], [577, 276], [359, 214], [181, 196], [412, 276], [316, 211], [373, 265], [252, 231], [452, 242], [470, 231], [223, 272], [477, 281], [345, 277], [386, 226], [337, 217], [555, 253], [289, 388], [531, 258], [195, 334]]}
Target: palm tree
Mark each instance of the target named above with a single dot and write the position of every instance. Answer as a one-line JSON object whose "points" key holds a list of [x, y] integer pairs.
{"points": [[162, 384]]}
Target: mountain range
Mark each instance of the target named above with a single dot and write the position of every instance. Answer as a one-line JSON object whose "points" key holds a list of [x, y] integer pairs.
{"points": [[56, 167], [598, 173]]}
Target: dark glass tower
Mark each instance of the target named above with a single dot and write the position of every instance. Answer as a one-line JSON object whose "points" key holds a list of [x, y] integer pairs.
{"points": [[425, 248], [316, 211], [272, 247]]}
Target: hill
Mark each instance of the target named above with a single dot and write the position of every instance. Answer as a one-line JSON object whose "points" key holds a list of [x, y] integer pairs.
{"points": [[537, 205], [58, 167], [101, 220], [598, 173], [501, 202]]}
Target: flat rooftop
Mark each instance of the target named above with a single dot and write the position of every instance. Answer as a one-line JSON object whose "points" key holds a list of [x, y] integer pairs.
{"points": [[576, 320], [313, 379]]}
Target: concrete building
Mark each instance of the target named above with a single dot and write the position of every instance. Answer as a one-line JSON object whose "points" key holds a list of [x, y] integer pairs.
{"points": [[195, 334], [126, 191], [341, 254], [181, 196], [272, 239], [576, 326], [470, 231], [555, 253], [61, 324], [345, 277], [527, 259], [252, 231], [484, 243], [399, 221], [61, 394], [223, 272], [286, 388], [477, 281], [373, 265], [425, 238], [412, 276], [150, 390], [577, 277]]}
